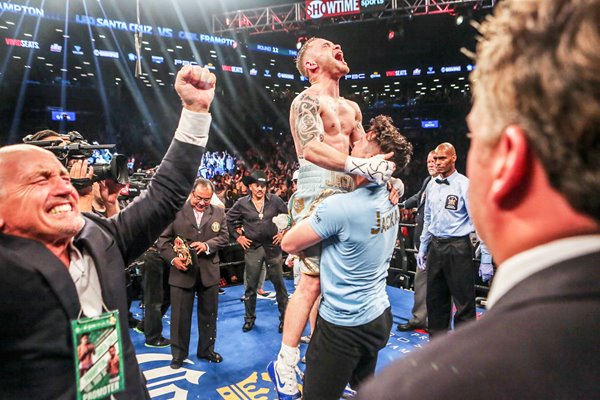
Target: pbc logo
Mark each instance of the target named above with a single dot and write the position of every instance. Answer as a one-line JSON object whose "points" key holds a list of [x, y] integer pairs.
{"points": [[184, 62], [354, 76]]}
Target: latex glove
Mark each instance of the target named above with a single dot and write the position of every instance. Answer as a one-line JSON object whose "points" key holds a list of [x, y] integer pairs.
{"points": [[486, 271], [421, 257]]}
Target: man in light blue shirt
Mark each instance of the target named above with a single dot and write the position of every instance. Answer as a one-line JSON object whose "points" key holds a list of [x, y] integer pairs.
{"points": [[358, 231], [446, 249]]}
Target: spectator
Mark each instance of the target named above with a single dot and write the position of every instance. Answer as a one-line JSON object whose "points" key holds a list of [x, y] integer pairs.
{"points": [[202, 228], [261, 242], [73, 264], [535, 170], [157, 298]]}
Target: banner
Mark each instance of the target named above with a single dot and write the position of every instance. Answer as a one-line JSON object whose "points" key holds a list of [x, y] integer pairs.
{"points": [[316, 9]]}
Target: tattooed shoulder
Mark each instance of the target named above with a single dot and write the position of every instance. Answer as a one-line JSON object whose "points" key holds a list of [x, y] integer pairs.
{"points": [[308, 120], [306, 102]]}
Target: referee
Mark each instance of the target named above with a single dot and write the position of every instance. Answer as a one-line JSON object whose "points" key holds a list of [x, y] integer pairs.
{"points": [[446, 249]]}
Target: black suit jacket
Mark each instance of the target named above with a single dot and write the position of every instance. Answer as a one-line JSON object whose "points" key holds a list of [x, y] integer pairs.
{"points": [[212, 231], [416, 201], [541, 341], [38, 298]]}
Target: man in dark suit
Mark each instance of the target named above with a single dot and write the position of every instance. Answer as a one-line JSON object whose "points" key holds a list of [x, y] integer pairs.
{"points": [[203, 228], [58, 264], [534, 164], [414, 206]]}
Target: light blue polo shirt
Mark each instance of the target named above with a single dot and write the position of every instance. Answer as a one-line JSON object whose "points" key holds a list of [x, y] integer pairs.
{"points": [[447, 212], [359, 231]]}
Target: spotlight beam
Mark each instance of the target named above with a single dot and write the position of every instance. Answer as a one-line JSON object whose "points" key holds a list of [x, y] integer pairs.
{"points": [[16, 120]]}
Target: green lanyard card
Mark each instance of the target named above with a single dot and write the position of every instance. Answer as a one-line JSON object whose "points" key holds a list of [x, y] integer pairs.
{"points": [[98, 356]]}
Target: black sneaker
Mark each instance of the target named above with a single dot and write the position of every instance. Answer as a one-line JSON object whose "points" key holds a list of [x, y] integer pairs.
{"points": [[221, 291], [159, 343], [139, 328], [133, 322]]}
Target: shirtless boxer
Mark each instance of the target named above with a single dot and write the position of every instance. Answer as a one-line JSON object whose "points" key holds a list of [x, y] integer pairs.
{"points": [[323, 126]]}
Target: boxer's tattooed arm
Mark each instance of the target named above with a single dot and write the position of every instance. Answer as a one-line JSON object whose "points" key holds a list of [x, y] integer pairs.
{"points": [[309, 125], [360, 131], [357, 133]]}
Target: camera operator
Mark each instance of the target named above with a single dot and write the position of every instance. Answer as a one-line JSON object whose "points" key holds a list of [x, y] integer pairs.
{"points": [[57, 264], [100, 197]]}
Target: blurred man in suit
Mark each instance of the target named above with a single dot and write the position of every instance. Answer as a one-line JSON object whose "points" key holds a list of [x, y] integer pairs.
{"points": [[414, 206], [202, 227], [534, 163]]}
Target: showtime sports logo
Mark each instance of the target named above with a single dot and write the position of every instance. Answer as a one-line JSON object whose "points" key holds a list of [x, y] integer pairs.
{"points": [[368, 3], [316, 9]]}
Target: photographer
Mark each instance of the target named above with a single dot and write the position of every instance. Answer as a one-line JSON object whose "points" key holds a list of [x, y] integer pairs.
{"points": [[100, 196], [72, 264]]}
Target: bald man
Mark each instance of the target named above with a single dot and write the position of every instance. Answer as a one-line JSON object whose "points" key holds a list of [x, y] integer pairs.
{"points": [[58, 264], [446, 251]]}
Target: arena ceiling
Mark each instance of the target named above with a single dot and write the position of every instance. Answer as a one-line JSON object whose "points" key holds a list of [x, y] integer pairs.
{"points": [[89, 67]]}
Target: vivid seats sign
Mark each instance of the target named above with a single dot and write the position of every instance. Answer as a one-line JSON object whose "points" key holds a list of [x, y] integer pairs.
{"points": [[316, 9]]}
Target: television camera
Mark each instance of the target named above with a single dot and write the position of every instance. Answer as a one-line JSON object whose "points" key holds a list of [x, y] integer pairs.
{"points": [[73, 146]]}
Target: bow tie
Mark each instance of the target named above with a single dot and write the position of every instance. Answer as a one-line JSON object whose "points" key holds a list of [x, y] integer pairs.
{"points": [[442, 181]]}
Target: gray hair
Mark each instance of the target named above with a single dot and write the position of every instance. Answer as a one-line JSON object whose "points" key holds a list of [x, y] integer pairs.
{"points": [[538, 67]]}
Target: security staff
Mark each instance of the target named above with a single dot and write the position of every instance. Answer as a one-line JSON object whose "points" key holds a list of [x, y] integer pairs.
{"points": [[446, 249]]}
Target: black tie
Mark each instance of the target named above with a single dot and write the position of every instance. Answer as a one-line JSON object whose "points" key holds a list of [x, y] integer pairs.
{"points": [[442, 181]]}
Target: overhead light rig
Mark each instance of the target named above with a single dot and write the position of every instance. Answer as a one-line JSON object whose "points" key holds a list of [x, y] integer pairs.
{"points": [[293, 17]]}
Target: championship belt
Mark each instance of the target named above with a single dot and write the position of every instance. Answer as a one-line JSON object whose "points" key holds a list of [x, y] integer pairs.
{"points": [[282, 222], [182, 250]]}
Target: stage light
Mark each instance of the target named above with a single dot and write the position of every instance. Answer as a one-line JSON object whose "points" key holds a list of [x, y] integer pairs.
{"points": [[462, 13], [300, 42], [395, 30]]}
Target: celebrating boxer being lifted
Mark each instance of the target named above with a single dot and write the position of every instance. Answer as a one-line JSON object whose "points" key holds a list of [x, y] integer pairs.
{"points": [[323, 126]]}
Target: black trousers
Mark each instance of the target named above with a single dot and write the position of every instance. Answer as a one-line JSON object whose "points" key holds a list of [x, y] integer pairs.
{"points": [[182, 303], [156, 294], [254, 259], [338, 355], [449, 276]]}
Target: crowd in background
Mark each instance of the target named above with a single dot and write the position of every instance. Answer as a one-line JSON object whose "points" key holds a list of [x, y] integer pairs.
{"points": [[226, 172]]}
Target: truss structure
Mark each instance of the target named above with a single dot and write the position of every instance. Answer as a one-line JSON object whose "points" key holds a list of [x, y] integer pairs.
{"points": [[292, 17]]}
